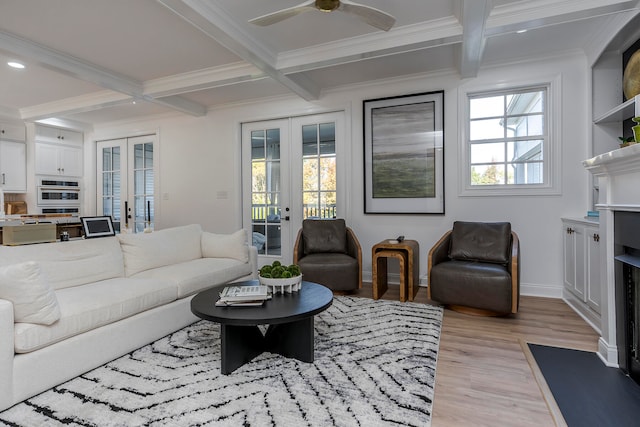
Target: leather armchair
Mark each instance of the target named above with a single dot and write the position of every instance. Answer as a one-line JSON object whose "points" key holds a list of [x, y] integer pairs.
{"points": [[329, 253], [475, 268]]}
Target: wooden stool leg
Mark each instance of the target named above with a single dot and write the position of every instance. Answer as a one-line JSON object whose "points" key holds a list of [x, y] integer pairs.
{"points": [[403, 278], [379, 265]]}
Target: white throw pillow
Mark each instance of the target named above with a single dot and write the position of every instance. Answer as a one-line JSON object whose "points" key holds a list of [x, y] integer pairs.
{"points": [[225, 245], [34, 301]]}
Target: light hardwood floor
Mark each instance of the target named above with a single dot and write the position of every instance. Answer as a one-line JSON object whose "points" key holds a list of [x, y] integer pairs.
{"points": [[483, 377]]}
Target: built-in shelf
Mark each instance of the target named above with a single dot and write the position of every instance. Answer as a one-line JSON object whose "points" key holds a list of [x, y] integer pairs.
{"points": [[620, 112]]}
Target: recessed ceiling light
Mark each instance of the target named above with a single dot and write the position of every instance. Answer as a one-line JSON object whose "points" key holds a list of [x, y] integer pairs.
{"points": [[521, 31], [14, 64]]}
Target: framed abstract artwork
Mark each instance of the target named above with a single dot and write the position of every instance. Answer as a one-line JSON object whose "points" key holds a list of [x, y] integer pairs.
{"points": [[404, 154]]}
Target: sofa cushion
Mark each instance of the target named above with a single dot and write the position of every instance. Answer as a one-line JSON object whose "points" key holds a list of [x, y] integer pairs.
{"points": [[93, 305], [145, 251], [73, 263], [324, 235], [199, 274], [34, 301], [481, 241], [225, 245]]}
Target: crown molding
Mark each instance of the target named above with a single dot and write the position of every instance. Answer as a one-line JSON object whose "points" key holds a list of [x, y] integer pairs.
{"points": [[408, 38], [541, 13], [76, 104], [203, 79]]}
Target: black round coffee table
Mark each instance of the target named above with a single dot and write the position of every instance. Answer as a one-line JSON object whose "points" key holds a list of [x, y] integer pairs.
{"points": [[289, 316]]}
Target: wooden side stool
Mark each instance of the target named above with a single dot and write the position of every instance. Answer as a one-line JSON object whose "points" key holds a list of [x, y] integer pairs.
{"points": [[407, 253]]}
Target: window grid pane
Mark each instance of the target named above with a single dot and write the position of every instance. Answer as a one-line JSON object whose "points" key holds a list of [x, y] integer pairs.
{"points": [[507, 147]]}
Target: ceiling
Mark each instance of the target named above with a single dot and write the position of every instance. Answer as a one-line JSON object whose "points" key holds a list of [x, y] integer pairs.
{"points": [[95, 61]]}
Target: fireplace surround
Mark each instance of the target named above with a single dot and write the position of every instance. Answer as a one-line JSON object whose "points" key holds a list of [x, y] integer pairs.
{"points": [[617, 177], [627, 291]]}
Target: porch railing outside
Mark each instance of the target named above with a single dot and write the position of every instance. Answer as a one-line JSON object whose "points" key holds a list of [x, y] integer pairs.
{"points": [[261, 212]]}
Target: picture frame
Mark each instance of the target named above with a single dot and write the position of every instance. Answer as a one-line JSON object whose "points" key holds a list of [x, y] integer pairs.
{"points": [[404, 154], [97, 226]]}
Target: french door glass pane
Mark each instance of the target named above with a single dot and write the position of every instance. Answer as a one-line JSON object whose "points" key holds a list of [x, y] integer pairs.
{"points": [[111, 184], [143, 186], [265, 191], [319, 170]]}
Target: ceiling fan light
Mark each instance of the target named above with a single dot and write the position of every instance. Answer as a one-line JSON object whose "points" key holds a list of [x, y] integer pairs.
{"points": [[327, 5]]}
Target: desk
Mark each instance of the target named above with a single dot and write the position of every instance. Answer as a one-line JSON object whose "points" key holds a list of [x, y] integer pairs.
{"points": [[407, 253]]}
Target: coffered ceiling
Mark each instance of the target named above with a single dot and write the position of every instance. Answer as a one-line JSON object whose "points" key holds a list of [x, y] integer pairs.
{"points": [[88, 61]]}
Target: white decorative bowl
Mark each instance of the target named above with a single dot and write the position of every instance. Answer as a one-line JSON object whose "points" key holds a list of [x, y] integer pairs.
{"points": [[288, 285]]}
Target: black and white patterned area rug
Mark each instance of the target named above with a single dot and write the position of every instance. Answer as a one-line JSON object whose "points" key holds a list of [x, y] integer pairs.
{"points": [[375, 365]]}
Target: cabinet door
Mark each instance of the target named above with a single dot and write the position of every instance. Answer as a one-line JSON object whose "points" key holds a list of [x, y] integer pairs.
{"points": [[55, 135], [70, 161], [12, 131], [47, 162], [46, 133], [13, 166], [69, 137], [574, 259], [593, 269]]}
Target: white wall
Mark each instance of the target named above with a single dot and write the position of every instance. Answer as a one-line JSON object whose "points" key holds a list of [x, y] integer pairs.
{"points": [[200, 166]]}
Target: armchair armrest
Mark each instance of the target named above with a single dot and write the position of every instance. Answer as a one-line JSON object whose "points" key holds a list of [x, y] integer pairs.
{"points": [[354, 249], [298, 247], [438, 253], [514, 269]]}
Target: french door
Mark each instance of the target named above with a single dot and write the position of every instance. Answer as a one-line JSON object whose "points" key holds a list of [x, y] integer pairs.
{"points": [[126, 182], [290, 172]]}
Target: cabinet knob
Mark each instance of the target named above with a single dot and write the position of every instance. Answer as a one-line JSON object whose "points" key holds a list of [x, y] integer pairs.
{"points": [[570, 230], [596, 237]]}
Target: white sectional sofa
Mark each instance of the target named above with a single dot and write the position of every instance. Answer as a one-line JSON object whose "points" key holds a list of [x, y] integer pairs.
{"points": [[68, 307]]}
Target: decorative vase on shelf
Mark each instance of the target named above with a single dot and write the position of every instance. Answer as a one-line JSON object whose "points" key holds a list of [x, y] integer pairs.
{"points": [[636, 128]]}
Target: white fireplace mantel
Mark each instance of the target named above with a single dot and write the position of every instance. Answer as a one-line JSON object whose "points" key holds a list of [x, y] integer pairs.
{"points": [[617, 176], [624, 160]]}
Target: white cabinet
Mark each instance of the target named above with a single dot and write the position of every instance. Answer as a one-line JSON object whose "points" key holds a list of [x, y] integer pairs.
{"points": [[52, 159], [13, 166], [57, 135], [582, 268], [58, 151], [13, 157], [13, 132]]}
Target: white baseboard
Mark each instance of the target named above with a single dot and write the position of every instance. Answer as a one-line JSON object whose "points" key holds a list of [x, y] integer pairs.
{"points": [[537, 290], [608, 354], [527, 289]]}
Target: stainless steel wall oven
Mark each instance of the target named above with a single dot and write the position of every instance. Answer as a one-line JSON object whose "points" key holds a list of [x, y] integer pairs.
{"points": [[58, 195]]}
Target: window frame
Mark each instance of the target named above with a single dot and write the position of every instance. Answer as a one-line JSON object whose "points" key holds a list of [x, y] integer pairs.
{"points": [[551, 141]]}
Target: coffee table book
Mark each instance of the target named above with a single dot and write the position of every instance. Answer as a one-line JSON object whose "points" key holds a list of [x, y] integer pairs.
{"points": [[243, 295]]}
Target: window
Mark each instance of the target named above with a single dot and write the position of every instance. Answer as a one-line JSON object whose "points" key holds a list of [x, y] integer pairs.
{"points": [[507, 143]]}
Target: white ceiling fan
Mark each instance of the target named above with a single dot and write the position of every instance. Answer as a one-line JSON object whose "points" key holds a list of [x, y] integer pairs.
{"points": [[368, 14]]}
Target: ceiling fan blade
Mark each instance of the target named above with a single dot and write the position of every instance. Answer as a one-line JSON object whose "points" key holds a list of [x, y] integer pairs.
{"points": [[368, 14], [281, 15]]}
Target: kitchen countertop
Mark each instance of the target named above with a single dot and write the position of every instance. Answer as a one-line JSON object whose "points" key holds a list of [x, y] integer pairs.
{"points": [[10, 220]]}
